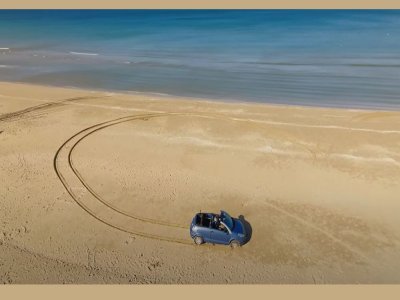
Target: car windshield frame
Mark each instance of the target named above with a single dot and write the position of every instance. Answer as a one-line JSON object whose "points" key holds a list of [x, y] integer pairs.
{"points": [[227, 220]]}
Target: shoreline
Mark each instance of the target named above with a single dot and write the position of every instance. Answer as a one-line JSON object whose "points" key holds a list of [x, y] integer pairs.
{"points": [[216, 100]]}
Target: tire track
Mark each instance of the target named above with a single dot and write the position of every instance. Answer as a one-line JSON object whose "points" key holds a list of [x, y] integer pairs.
{"points": [[43, 106], [97, 196], [77, 138], [85, 207], [113, 123]]}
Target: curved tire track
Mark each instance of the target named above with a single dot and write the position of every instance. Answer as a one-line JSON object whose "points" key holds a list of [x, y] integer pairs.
{"points": [[96, 195], [93, 129], [71, 144], [43, 106]]}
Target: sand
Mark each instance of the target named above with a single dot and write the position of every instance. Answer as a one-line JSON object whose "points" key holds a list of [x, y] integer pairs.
{"points": [[100, 187]]}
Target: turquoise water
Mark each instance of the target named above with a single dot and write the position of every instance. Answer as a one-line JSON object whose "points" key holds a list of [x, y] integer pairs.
{"points": [[347, 58]]}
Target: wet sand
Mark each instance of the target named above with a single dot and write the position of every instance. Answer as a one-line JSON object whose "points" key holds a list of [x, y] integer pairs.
{"points": [[101, 187]]}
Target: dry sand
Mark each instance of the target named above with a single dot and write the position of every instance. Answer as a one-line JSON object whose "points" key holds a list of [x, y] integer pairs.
{"points": [[101, 187]]}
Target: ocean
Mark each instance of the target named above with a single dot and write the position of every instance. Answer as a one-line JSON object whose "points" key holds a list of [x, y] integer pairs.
{"points": [[338, 58]]}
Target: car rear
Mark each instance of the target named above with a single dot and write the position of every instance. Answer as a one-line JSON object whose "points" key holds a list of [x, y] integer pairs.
{"points": [[239, 232]]}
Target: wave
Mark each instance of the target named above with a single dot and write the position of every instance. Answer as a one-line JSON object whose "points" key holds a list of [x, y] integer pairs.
{"points": [[317, 64], [83, 53], [4, 48]]}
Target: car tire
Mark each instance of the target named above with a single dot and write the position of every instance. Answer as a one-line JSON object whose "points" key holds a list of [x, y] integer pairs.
{"points": [[198, 240], [234, 244]]}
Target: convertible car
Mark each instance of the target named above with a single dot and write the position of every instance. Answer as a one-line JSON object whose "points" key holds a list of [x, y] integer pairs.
{"points": [[217, 229]]}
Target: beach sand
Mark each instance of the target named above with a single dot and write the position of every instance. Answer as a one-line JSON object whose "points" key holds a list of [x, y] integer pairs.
{"points": [[100, 187]]}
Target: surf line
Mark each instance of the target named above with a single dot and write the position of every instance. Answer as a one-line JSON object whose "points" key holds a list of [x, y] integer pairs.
{"points": [[83, 53]]}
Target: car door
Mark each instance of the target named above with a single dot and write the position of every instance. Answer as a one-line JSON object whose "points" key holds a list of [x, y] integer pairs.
{"points": [[204, 233], [219, 236]]}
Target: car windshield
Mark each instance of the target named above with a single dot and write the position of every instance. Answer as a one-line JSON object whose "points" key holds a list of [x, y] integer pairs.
{"points": [[227, 219]]}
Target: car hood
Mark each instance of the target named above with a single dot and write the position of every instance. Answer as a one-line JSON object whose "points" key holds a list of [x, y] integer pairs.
{"points": [[239, 227]]}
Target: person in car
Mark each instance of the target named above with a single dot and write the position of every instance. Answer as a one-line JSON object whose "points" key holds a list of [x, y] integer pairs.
{"points": [[216, 221]]}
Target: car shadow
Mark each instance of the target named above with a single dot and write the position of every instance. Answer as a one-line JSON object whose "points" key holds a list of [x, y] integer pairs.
{"points": [[247, 227]]}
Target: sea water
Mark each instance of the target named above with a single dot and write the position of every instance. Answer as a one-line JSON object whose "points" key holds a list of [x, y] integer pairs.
{"points": [[340, 58]]}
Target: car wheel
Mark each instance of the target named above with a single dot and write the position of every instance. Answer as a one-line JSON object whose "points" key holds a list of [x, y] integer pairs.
{"points": [[198, 240], [234, 244]]}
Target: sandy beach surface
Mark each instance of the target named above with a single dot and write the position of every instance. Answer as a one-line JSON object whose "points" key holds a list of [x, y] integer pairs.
{"points": [[100, 187]]}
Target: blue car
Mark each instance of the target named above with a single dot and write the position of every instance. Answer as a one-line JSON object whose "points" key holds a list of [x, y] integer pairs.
{"points": [[217, 229]]}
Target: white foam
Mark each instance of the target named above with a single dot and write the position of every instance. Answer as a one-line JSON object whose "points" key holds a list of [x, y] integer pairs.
{"points": [[83, 53], [4, 48], [388, 160], [159, 94], [318, 126]]}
